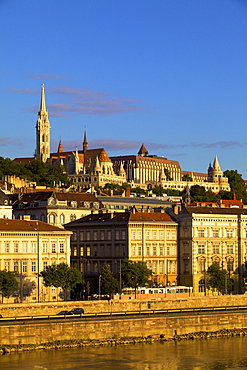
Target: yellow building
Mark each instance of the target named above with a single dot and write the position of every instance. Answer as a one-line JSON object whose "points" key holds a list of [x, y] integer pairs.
{"points": [[27, 248], [207, 235], [138, 236]]}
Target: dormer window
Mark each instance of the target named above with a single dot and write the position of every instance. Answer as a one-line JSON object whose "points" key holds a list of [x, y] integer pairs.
{"points": [[86, 204], [96, 205], [73, 204]]}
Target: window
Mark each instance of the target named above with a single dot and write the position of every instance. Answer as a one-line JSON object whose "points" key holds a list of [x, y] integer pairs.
{"points": [[74, 236], [173, 235], [154, 250], [229, 248], [95, 267], [117, 235], [201, 248], [95, 251], [45, 247], [154, 235], [53, 247], [88, 251], [230, 265], [201, 286], [139, 235], [95, 235], [81, 251], [168, 250], [61, 247], [201, 233], [168, 235], [88, 235], [52, 219], [102, 235], [201, 266], [216, 233], [33, 266], [147, 235], [24, 266], [108, 235], [123, 235], [81, 235], [161, 251], [133, 234], [161, 267], [62, 219], [72, 217], [161, 235], [16, 247], [148, 251], [133, 250], [75, 251], [174, 250], [45, 265], [24, 246], [154, 267], [16, 266], [6, 247], [139, 250], [216, 248], [33, 247], [6, 265], [229, 233]]}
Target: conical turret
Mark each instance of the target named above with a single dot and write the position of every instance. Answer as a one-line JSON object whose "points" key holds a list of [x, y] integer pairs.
{"points": [[85, 142]]}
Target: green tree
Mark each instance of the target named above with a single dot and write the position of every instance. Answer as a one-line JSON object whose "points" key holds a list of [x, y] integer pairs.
{"points": [[237, 184], [135, 274], [218, 279], [138, 190], [108, 283], [8, 283], [61, 276], [187, 177]]}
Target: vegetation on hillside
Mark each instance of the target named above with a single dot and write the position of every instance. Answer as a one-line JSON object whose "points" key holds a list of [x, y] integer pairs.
{"points": [[36, 171]]}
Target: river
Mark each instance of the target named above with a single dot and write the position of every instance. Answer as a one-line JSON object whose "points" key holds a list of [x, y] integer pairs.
{"points": [[211, 354]]}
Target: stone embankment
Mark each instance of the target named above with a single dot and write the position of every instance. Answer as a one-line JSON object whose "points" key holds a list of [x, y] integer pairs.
{"points": [[56, 345]]}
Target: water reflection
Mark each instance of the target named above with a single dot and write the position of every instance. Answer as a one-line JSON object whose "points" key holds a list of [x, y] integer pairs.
{"points": [[213, 354]]}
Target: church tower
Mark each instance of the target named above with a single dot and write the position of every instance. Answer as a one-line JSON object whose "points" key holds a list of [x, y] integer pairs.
{"points": [[42, 131]]}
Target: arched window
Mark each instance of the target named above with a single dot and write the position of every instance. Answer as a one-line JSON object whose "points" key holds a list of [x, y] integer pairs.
{"points": [[62, 219], [52, 219]]}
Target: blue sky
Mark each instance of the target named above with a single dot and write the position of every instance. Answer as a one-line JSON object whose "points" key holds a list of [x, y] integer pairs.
{"points": [[171, 74]]}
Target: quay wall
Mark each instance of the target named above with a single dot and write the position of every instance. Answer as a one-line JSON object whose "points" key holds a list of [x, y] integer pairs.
{"points": [[52, 308], [43, 333]]}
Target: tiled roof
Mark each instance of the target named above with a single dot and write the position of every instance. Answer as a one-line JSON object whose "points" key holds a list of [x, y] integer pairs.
{"points": [[44, 195], [26, 225], [214, 210], [136, 159], [26, 160], [124, 217]]}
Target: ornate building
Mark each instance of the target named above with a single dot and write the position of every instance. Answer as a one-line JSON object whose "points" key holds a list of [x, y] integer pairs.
{"points": [[149, 171]]}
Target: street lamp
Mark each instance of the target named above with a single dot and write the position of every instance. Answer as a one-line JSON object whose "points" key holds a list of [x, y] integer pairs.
{"points": [[99, 286]]}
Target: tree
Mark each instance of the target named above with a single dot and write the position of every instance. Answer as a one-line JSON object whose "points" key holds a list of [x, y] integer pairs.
{"points": [[187, 177], [8, 283], [218, 279], [237, 184], [61, 276], [135, 274], [108, 283]]}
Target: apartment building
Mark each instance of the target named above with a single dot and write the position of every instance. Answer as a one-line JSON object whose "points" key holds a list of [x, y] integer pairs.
{"points": [[113, 237], [27, 248], [207, 235]]}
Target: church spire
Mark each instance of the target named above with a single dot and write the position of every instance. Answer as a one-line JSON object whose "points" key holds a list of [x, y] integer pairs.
{"points": [[42, 130], [85, 142], [42, 101]]}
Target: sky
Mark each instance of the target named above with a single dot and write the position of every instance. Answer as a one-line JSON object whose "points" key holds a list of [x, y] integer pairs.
{"points": [[171, 74]]}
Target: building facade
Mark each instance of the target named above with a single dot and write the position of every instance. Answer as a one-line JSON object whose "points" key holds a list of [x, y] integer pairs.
{"points": [[53, 207], [149, 171], [112, 238], [207, 235], [27, 248]]}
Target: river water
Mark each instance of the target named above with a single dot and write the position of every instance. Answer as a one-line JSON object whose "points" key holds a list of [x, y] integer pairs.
{"points": [[210, 354]]}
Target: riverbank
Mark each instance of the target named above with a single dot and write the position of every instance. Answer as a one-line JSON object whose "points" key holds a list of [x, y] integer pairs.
{"points": [[65, 344]]}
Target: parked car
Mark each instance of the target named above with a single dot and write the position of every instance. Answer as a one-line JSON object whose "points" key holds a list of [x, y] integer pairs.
{"points": [[1, 316], [64, 313], [77, 311]]}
